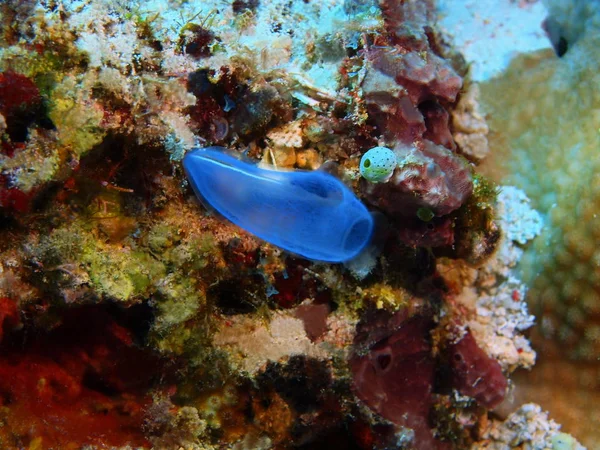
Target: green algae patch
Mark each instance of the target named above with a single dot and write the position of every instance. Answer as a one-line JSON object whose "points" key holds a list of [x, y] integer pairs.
{"points": [[78, 118], [60, 246], [121, 273], [175, 341], [162, 237], [190, 337], [46, 68], [476, 232], [194, 253], [180, 301]]}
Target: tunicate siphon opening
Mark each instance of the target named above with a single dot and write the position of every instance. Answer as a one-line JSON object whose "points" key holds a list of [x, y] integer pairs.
{"points": [[359, 232]]}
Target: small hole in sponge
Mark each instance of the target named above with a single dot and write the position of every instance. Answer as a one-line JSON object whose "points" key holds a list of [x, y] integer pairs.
{"points": [[384, 361], [367, 163]]}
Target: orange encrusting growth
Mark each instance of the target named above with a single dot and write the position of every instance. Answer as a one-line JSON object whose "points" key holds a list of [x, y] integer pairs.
{"points": [[83, 383]]}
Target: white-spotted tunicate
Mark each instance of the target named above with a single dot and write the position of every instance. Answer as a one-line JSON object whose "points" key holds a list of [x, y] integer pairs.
{"points": [[377, 165]]}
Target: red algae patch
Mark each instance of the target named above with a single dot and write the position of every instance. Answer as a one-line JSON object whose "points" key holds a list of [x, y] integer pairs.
{"points": [[475, 374], [17, 92], [395, 376], [83, 383], [314, 317], [9, 315]]}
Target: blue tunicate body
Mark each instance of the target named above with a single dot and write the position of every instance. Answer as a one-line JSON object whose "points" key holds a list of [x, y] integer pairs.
{"points": [[311, 214]]}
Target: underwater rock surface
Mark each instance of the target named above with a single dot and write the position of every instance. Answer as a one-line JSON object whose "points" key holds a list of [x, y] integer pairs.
{"points": [[132, 317]]}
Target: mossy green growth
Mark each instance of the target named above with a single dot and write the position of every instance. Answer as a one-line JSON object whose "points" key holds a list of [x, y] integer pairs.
{"points": [[61, 246], [47, 68], [476, 231], [194, 253], [115, 271], [191, 338], [185, 253], [162, 237], [425, 214], [179, 301], [478, 210], [121, 273], [444, 416], [243, 20], [77, 119], [377, 165], [328, 48], [485, 192], [175, 340]]}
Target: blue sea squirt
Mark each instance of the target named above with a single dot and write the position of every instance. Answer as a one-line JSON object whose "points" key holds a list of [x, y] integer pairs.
{"points": [[311, 214]]}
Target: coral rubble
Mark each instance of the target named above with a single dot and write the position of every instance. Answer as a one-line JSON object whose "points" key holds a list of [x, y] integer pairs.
{"points": [[131, 316]]}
